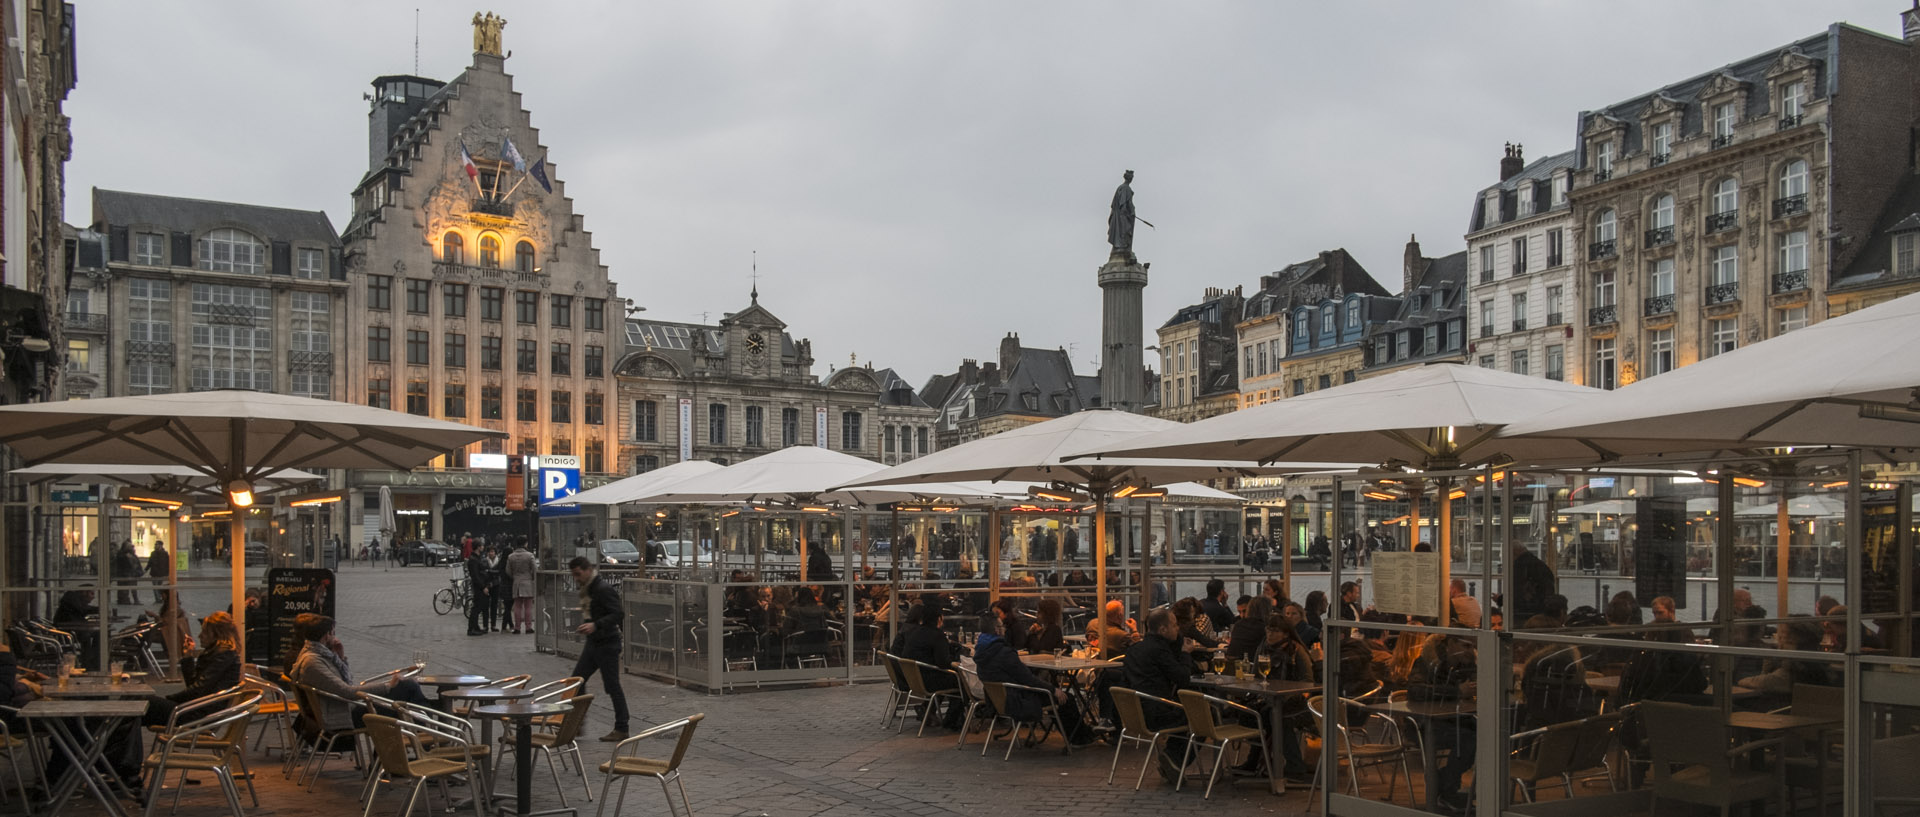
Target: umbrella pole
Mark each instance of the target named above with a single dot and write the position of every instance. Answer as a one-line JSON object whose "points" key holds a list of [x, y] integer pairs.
{"points": [[993, 556], [237, 587], [1443, 516], [802, 523], [1146, 557], [1783, 540], [1100, 568]]}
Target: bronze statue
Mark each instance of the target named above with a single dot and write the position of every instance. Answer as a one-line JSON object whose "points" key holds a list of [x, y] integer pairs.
{"points": [[1121, 218], [486, 33]]}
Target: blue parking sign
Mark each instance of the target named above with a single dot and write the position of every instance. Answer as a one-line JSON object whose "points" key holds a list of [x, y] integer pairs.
{"points": [[559, 478]]}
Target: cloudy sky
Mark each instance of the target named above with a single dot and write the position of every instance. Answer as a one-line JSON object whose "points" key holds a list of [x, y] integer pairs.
{"points": [[920, 178]]}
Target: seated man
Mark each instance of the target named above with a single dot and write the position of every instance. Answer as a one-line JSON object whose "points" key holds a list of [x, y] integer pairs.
{"points": [[1155, 665], [1445, 672], [322, 664], [997, 661], [927, 643]]}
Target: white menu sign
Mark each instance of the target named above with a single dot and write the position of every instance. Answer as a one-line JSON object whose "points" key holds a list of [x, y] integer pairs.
{"points": [[1407, 583]]}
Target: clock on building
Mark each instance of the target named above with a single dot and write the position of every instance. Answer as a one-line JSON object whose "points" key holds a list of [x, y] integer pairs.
{"points": [[756, 344]]}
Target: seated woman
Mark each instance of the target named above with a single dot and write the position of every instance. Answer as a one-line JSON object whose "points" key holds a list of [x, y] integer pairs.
{"points": [[1783, 673], [1195, 641], [1553, 686], [1045, 635], [1289, 657], [216, 668]]}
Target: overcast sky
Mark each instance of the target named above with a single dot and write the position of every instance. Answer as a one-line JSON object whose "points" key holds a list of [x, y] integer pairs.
{"points": [[920, 178]]}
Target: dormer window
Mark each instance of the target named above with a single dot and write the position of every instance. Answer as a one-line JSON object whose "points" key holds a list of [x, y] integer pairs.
{"points": [[1353, 315], [1559, 189], [1724, 118], [1300, 326], [1603, 161], [1525, 198], [1326, 320], [1662, 142], [1793, 100], [1906, 253], [229, 250], [1493, 207]]}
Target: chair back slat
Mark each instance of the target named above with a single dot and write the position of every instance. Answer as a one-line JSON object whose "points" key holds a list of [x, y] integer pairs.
{"points": [[1200, 720], [573, 721], [1133, 717], [389, 745], [686, 740], [996, 694]]}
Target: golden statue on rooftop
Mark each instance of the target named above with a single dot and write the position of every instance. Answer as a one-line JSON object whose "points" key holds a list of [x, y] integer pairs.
{"points": [[486, 33]]}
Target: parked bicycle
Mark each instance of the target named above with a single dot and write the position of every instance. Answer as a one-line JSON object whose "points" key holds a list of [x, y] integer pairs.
{"points": [[451, 598]]}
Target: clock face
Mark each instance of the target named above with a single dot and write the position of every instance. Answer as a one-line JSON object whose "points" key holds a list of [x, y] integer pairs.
{"points": [[756, 344]]}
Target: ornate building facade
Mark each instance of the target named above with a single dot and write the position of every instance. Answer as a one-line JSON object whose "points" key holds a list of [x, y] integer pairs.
{"points": [[1716, 211], [1198, 378], [1521, 286], [1428, 321], [1021, 386], [743, 387], [1266, 331]]}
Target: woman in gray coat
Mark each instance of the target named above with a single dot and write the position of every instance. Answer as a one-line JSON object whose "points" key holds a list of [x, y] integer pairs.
{"points": [[520, 568]]}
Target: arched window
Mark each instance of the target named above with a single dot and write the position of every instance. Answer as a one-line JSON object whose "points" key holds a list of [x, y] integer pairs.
{"points": [[453, 248], [1726, 196], [1662, 212], [523, 256], [490, 251], [1603, 226], [1793, 179], [229, 250]]}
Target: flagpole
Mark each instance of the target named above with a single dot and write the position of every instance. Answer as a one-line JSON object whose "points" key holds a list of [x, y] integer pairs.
{"points": [[516, 186]]}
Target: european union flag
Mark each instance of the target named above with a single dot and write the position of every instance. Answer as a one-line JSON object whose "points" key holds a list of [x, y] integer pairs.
{"points": [[539, 173]]}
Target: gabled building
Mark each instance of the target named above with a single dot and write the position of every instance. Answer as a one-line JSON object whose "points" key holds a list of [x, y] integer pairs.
{"points": [[1022, 386], [1266, 330], [1198, 378], [1521, 288], [1716, 211], [1428, 320]]}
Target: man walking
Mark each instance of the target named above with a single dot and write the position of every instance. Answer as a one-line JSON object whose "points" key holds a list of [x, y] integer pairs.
{"points": [[600, 614], [479, 591], [157, 564]]}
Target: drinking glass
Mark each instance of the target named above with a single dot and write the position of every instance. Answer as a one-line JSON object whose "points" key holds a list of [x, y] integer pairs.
{"points": [[1266, 666], [1219, 663]]}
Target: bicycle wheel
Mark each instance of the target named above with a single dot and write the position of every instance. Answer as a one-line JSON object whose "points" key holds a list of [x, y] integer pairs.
{"points": [[444, 601]]}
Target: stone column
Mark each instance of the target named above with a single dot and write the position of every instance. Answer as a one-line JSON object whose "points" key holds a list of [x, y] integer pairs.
{"points": [[1123, 280]]}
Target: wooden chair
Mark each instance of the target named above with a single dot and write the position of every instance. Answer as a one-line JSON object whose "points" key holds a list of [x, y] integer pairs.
{"points": [[1129, 704], [563, 742], [1692, 761], [398, 753], [627, 766], [1204, 724]]}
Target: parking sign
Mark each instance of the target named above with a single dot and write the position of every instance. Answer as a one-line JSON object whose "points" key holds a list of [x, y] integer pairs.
{"points": [[559, 479]]}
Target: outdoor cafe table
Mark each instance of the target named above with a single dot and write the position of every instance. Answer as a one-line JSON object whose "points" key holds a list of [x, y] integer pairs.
{"points": [[86, 765], [96, 687], [1275, 694], [442, 683], [486, 695], [1070, 665], [1426, 713], [1777, 721], [522, 715]]}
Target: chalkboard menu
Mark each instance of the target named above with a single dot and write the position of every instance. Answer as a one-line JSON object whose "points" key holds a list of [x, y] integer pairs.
{"points": [[290, 592]]}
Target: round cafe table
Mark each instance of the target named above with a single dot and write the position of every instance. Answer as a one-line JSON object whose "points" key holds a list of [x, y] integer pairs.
{"points": [[523, 715], [485, 695], [442, 683]]}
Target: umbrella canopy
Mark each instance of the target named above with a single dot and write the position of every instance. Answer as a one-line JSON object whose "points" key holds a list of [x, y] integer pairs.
{"points": [[387, 524], [158, 477], [1824, 506], [1617, 507], [640, 486], [797, 474], [1847, 381], [1041, 453], [1432, 418], [229, 434]]}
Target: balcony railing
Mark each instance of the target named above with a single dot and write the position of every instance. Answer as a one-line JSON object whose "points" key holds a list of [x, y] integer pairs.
{"points": [[1520, 325], [1486, 331], [1657, 305], [1723, 293], [150, 349], [1659, 235], [1789, 281], [1790, 206], [1602, 249], [1555, 260], [86, 322], [1602, 175], [1659, 159], [310, 361], [1555, 318], [1728, 220], [1602, 315], [1723, 141], [1790, 121], [504, 209], [1486, 276], [1519, 267]]}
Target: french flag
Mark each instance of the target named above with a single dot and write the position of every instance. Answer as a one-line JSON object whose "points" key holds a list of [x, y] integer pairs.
{"points": [[466, 161]]}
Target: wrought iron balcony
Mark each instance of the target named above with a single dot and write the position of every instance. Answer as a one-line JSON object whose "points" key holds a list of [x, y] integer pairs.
{"points": [[1723, 293], [1602, 175], [1555, 260], [1789, 281], [310, 361], [150, 349], [484, 206], [1659, 159], [1520, 325], [1790, 206], [1555, 318], [1657, 305], [86, 322], [1602, 315], [468, 272], [1519, 267], [1790, 121], [1728, 220], [1602, 249], [1486, 276], [1659, 235], [1723, 141], [1486, 330]]}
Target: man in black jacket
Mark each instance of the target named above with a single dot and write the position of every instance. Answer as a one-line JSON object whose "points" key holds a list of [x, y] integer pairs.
{"points": [[479, 593], [1215, 606], [600, 612], [1533, 582], [1155, 666]]}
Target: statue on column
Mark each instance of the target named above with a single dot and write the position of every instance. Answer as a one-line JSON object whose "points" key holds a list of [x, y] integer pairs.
{"points": [[486, 33], [1121, 218]]}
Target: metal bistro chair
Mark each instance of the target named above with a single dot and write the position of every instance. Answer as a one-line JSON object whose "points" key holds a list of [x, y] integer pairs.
{"points": [[565, 742], [915, 674], [1815, 764], [1049, 718], [277, 707], [1697, 739], [465, 747], [627, 766], [11, 744], [1133, 727], [969, 680], [1549, 754], [554, 692], [204, 745], [325, 740], [397, 752], [1337, 737], [896, 690], [232, 744], [1204, 723]]}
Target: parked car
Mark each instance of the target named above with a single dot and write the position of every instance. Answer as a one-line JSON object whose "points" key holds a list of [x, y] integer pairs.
{"points": [[618, 553], [256, 553], [427, 552], [677, 553]]}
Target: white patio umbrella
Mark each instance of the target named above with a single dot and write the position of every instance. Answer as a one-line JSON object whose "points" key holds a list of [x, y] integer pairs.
{"points": [[641, 486], [171, 478], [1819, 506], [388, 526], [233, 438], [1433, 418], [1043, 452]]}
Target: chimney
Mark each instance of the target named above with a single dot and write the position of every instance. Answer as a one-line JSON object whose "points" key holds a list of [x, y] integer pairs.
{"points": [[1412, 266], [1009, 351], [969, 372], [1910, 23], [1511, 163], [989, 374]]}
